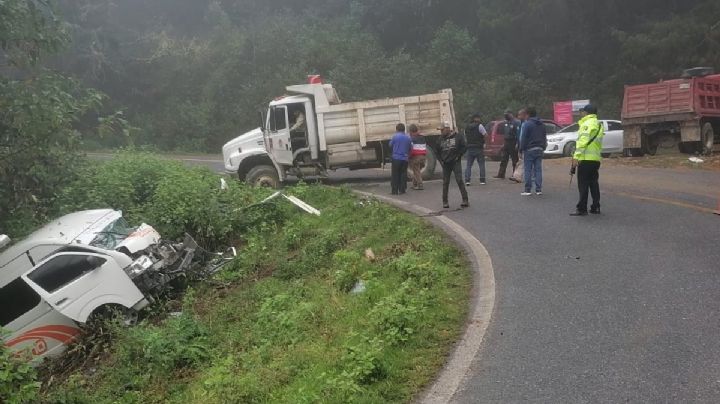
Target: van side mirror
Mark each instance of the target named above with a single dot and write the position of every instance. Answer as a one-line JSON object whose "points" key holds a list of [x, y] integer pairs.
{"points": [[4, 241]]}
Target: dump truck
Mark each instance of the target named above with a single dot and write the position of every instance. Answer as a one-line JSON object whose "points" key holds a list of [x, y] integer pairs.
{"points": [[681, 114], [75, 267], [331, 134]]}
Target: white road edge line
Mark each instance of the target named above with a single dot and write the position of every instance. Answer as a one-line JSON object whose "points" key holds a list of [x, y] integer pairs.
{"points": [[482, 304]]}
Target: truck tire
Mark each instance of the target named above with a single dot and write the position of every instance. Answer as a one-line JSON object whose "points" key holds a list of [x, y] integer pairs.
{"points": [[569, 149], [707, 139], [649, 145], [263, 176], [430, 164]]}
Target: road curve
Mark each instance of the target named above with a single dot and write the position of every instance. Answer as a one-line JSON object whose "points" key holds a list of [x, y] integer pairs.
{"points": [[621, 307]]}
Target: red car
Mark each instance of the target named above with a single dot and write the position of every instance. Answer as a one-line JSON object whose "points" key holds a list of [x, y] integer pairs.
{"points": [[494, 141]]}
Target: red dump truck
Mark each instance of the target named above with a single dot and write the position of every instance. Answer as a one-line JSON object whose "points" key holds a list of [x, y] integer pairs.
{"points": [[681, 114]]}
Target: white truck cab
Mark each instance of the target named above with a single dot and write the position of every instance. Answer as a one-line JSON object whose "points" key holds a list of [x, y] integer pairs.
{"points": [[312, 131], [62, 273]]}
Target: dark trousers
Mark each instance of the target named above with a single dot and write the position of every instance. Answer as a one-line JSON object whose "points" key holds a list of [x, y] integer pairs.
{"points": [[509, 151], [475, 153], [398, 181], [588, 173], [449, 169]]}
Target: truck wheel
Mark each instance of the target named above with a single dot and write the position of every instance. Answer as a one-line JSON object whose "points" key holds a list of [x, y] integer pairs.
{"points": [[430, 164], [708, 139], [263, 176], [649, 145], [569, 149]]}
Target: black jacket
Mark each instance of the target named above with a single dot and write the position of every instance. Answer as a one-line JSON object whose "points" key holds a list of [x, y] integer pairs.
{"points": [[451, 148], [473, 135]]}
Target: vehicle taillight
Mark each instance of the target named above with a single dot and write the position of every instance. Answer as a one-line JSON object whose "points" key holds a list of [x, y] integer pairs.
{"points": [[314, 79]]}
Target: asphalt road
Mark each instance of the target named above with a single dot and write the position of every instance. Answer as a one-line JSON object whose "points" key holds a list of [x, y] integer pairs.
{"points": [[622, 307]]}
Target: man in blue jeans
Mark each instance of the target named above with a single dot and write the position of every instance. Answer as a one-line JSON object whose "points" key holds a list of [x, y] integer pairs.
{"points": [[532, 145], [475, 135], [401, 144]]}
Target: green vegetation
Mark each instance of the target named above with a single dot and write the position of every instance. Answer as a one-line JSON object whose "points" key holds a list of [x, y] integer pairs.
{"points": [[41, 114], [191, 74], [285, 322], [18, 383]]}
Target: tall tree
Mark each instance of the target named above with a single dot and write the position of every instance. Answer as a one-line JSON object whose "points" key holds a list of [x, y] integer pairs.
{"points": [[38, 146]]}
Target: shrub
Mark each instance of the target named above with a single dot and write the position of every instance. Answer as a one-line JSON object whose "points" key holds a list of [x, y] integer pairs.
{"points": [[347, 267], [170, 196], [17, 379], [128, 181], [180, 343], [398, 315]]}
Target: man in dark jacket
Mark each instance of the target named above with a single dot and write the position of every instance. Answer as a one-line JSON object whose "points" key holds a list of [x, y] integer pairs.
{"points": [[475, 135], [532, 145], [451, 148], [511, 131]]}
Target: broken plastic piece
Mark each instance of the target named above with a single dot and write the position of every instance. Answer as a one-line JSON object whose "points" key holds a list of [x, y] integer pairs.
{"points": [[696, 160], [302, 205], [358, 288]]}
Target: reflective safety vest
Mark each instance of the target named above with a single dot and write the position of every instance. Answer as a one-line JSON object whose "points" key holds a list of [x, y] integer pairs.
{"points": [[589, 128]]}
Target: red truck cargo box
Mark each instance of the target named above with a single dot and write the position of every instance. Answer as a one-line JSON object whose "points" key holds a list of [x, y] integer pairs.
{"points": [[699, 96]]}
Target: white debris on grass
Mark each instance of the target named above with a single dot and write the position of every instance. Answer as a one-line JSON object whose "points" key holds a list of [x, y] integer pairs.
{"points": [[358, 288], [696, 160]]}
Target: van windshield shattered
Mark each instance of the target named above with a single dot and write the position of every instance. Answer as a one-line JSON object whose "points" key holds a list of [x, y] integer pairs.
{"points": [[112, 235]]}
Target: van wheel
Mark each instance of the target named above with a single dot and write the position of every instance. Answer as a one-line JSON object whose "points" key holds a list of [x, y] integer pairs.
{"points": [[263, 176], [112, 312], [569, 149], [707, 138]]}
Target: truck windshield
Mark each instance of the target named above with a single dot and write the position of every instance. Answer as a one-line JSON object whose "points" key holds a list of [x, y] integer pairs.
{"points": [[112, 235]]}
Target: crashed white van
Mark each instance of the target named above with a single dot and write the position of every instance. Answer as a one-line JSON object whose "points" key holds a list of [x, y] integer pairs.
{"points": [[64, 272]]}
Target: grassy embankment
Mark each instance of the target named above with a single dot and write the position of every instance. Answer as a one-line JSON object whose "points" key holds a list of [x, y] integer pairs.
{"points": [[280, 324]]}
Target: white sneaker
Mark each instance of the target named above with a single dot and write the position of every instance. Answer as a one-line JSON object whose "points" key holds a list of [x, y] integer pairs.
{"points": [[538, 193], [482, 183], [525, 194], [467, 183]]}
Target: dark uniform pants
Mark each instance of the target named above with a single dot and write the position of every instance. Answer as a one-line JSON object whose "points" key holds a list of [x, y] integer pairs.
{"points": [[509, 151], [588, 173], [448, 170]]}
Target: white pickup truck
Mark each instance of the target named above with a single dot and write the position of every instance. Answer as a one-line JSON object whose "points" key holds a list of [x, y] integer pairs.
{"points": [[76, 265], [330, 135]]}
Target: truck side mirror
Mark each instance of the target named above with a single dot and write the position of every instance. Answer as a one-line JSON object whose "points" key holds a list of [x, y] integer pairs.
{"points": [[261, 117], [4, 241]]}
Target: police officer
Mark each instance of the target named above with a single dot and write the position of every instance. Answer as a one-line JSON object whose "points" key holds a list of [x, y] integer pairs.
{"points": [[511, 131], [586, 160]]}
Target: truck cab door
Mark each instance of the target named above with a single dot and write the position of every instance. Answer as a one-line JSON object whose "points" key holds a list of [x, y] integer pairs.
{"points": [[278, 135], [76, 283]]}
